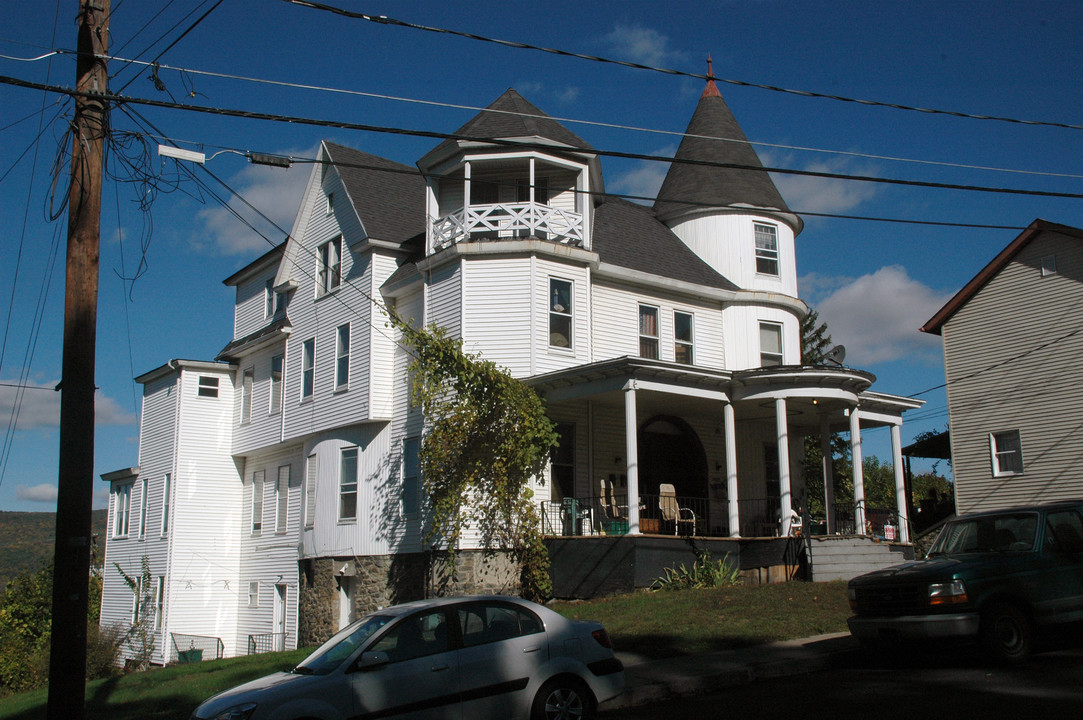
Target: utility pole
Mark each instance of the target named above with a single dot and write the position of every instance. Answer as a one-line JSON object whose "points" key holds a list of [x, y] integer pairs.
{"points": [[71, 559]]}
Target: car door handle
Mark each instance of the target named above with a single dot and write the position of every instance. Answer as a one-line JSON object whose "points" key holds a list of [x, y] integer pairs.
{"points": [[532, 648], [439, 668]]}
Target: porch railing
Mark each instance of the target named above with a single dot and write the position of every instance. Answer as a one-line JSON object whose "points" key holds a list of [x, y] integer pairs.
{"points": [[508, 220], [194, 648], [266, 642], [594, 515]]}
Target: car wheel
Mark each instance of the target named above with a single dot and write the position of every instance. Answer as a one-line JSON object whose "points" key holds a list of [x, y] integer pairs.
{"points": [[563, 698], [1007, 633]]}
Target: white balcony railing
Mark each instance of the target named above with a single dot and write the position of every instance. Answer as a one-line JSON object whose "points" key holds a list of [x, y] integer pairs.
{"points": [[507, 220]]}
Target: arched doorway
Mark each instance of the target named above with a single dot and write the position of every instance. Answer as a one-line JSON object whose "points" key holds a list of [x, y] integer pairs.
{"points": [[670, 452]]}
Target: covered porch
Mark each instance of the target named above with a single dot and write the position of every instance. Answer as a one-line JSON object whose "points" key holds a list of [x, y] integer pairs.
{"points": [[643, 438]]}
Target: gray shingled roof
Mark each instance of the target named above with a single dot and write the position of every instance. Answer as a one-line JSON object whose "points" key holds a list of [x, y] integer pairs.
{"points": [[628, 235], [715, 186], [504, 119], [389, 197]]}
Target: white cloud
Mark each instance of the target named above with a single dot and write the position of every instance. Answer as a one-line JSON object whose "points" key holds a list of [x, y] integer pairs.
{"points": [[275, 191], [539, 93], [644, 179], [43, 493], [642, 45], [40, 407], [815, 194], [877, 316]]}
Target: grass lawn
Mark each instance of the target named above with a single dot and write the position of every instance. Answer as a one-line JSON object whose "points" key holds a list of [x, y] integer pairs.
{"points": [[659, 624]]}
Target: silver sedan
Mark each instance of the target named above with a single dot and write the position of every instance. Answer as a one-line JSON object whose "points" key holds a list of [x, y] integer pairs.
{"points": [[448, 658]]}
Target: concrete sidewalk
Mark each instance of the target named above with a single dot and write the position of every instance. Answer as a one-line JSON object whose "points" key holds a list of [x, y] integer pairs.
{"points": [[651, 680]]}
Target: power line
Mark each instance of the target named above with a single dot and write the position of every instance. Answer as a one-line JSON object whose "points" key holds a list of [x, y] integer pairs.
{"points": [[385, 20], [339, 124], [577, 121]]}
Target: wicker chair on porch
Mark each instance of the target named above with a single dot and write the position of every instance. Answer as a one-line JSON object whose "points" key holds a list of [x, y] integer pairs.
{"points": [[674, 513]]}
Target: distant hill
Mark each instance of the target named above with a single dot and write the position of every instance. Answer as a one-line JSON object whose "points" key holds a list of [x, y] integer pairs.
{"points": [[26, 541]]}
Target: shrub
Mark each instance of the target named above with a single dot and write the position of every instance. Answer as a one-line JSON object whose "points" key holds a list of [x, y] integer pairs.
{"points": [[704, 573]]}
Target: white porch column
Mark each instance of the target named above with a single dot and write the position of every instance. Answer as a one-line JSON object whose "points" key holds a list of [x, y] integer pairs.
{"points": [[785, 497], [533, 217], [859, 479], [466, 185], [631, 450], [900, 484], [829, 473], [731, 469]]}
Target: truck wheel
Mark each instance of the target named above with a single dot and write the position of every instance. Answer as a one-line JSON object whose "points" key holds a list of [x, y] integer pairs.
{"points": [[1007, 633]]}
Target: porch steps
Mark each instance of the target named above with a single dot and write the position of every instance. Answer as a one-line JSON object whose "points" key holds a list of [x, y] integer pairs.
{"points": [[846, 557]]}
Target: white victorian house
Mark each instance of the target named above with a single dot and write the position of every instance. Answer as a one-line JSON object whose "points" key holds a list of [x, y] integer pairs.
{"points": [[277, 492]]}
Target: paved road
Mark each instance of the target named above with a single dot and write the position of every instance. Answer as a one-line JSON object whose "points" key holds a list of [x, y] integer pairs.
{"points": [[952, 684]]}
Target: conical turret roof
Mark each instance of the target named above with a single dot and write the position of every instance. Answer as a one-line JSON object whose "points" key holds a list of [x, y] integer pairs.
{"points": [[690, 187]]}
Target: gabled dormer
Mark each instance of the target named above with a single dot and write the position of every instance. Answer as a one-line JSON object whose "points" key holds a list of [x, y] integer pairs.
{"points": [[510, 172]]}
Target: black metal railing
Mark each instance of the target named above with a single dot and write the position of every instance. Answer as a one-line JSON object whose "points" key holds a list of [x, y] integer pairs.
{"points": [[266, 642], [595, 515], [194, 648]]}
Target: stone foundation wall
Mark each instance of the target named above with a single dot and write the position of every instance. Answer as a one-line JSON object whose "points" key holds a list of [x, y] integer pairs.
{"points": [[383, 580]]}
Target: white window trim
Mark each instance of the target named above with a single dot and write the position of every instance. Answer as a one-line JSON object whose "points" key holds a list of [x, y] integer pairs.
{"points": [[311, 483], [269, 299], [406, 513], [258, 494], [248, 385], [343, 484], [994, 454], [329, 267], [657, 331], [210, 384], [690, 344], [767, 253], [781, 342], [253, 594], [568, 313], [282, 499], [122, 511], [342, 352], [308, 367], [159, 603], [167, 491], [277, 387]]}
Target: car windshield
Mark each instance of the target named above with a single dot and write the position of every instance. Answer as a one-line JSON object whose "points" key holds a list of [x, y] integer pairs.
{"points": [[1011, 532], [343, 644]]}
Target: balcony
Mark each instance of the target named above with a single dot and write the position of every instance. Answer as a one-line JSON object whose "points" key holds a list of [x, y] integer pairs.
{"points": [[507, 220]]}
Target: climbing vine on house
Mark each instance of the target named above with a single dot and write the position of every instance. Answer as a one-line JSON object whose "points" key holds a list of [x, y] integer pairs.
{"points": [[486, 436]]}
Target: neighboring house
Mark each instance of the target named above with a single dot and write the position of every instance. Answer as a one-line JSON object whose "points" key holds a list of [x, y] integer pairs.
{"points": [[665, 340], [1012, 341]]}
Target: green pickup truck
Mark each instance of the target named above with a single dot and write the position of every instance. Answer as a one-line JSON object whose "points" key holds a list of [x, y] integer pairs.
{"points": [[998, 577]]}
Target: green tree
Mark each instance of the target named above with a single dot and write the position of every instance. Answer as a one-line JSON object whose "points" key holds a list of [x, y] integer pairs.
{"points": [[140, 636], [25, 623], [815, 342], [487, 436]]}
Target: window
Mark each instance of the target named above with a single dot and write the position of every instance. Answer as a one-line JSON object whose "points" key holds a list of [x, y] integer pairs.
{"points": [[648, 332], [766, 249], [347, 488], [167, 490], [770, 344], [484, 193], [276, 383], [342, 357], [253, 594], [484, 623], [562, 462], [329, 272], [1049, 265], [682, 338], [246, 395], [257, 502], [269, 298], [410, 474], [208, 386], [1007, 452], [308, 368], [1063, 533], [330, 203], [310, 492], [424, 633], [560, 313], [143, 509], [282, 498], [137, 593], [541, 190], [122, 502], [159, 603]]}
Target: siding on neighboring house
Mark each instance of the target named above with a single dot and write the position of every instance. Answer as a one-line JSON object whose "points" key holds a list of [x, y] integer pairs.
{"points": [[1003, 374], [205, 564], [249, 313], [264, 428]]}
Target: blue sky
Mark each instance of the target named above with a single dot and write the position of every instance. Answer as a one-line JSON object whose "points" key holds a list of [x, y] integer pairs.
{"points": [[874, 283]]}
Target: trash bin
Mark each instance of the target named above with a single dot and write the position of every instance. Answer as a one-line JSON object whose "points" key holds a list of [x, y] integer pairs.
{"points": [[569, 516], [190, 656]]}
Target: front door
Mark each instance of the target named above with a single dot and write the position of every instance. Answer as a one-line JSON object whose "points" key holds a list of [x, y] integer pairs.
{"points": [[279, 643]]}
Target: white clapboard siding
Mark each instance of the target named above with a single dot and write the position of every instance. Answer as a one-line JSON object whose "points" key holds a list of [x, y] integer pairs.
{"points": [[741, 325], [382, 339], [736, 257], [1004, 372], [616, 324], [444, 299], [547, 358], [264, 428], [269, 557], [496, 308], [205, 558], [250, 309]]}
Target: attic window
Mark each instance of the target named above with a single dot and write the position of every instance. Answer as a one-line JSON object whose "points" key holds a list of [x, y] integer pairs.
{"points": [[1049, 265], [766, 249], [329, 271], [330, 203]]}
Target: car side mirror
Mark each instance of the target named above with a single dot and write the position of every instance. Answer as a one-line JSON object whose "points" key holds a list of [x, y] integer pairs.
{"points": [[370, 660]]}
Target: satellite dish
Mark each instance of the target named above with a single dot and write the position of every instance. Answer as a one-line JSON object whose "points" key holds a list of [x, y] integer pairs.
{"points": [[835, 356]]}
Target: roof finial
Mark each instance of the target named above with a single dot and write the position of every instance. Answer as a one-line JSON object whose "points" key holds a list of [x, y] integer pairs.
{"points": [[711, 90]]}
